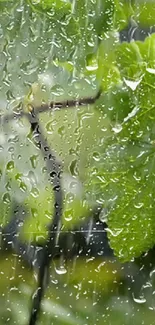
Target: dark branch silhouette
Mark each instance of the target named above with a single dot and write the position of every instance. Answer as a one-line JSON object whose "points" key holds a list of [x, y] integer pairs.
{"points": [[51, 106], [54, 171]]}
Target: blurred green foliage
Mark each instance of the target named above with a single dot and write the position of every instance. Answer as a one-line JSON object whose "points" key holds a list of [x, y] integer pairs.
{"points": [[53, 50]]}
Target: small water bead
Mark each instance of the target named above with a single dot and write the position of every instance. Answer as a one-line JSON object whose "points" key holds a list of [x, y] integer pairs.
{"points": [[23, 187], [117, 128], [60, 270], [139, 205], [57, 90], [6, 198], [10, 166], [34, 161], [96, 156], [49, 127], [11, 149], [61, 131], [73, 168], [34, 212], [8, 186], [140, 300], [34, 192]]}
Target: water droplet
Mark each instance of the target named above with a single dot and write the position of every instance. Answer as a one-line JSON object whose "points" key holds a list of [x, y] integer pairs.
{"points": [[6, 198], [13, 139], [73, 168], [18, 177], [48, 215], [60, 270], [131, 114], [34, 160], [134, 218], [115, 232], [96, 156], [23, 186], [34, 192], [8, 186], [34, 213], [11, 149], [150, 70], [57, 90], [137, 178], [61, 131], [132, 84], [9, 95], [68, 215], [92, 67], [10, 166], [152, 274], [56, 188], [140, 300], [29, 67], [138, 205], [117, 128], [49, 127], [103, 215]]}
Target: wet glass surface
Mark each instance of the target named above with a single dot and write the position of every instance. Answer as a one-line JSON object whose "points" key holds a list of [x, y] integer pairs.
{"points": [[77, 160]]}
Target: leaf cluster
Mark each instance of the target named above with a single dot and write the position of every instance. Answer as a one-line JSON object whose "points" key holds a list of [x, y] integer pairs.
{"points": [[109, 159]]}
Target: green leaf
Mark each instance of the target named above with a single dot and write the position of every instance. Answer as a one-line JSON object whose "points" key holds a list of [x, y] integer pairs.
{"points": [[107, 71], [104, 16], [144, 12], [103, 64], [105, 275], [123, 11], [123, 180], [56, 9]]}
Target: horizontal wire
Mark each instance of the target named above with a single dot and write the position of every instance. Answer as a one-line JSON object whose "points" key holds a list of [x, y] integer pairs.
{"points": [[64, 231]]}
